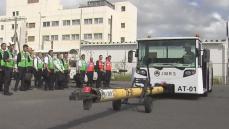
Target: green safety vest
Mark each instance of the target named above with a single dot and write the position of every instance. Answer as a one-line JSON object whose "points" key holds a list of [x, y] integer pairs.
{"points": [[50, 63], [40, 64], [84, 65], [59, 65], [2, 61], [24, 59], [66, 64], [11, 63], [29, 62]]}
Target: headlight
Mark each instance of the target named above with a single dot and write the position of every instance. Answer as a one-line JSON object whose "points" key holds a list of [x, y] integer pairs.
{"points": [[142, 72], [189, 73]]}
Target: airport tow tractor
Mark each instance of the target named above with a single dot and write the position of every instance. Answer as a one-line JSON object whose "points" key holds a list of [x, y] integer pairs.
{"points": [[167, 65], [117, 95]]}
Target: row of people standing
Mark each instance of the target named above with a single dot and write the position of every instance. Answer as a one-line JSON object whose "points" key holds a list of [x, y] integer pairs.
{"points": [[87, 69], [54, 71], [25, 65]]}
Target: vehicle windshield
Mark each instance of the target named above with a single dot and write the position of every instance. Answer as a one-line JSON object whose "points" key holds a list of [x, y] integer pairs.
{"points": [[168, 53]]}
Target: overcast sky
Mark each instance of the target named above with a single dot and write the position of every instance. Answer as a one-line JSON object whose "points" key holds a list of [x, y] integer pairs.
{"points": [[175, 17]]}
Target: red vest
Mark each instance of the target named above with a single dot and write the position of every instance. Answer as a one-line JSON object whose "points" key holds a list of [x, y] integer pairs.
{"points": [[108, 66], [90, 67], [100, 65]]}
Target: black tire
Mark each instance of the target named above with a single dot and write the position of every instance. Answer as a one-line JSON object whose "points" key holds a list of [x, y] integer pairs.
{"points": [[148, 102], [87, 104], [210, 90], [205, 94], [207, 84], [117, 105]]}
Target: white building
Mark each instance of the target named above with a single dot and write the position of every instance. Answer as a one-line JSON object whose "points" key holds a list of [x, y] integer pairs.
{"points": [[219, 57], [45, 24]]}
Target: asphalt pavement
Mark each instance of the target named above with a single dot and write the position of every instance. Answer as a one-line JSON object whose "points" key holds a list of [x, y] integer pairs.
{"points": [[38, 109]]}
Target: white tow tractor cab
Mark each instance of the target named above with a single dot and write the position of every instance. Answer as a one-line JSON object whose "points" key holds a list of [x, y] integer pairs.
{"points": [[178, 63]]}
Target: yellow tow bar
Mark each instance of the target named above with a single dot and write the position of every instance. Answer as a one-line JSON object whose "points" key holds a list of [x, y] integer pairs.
{"points": [[93, 95]]}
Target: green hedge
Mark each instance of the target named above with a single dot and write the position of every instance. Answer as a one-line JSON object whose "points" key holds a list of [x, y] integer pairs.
{"points": [[121, 77], [217, 80]]}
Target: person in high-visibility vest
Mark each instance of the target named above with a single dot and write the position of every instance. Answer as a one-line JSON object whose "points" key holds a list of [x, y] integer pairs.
{"points": [[82, 68], [29, 69], [59, 72], [49, 71], [2, 50], [8, 69], [22, 58], [108, 68], [66, 69], [100, 71], [39, 66], [90, 72]]}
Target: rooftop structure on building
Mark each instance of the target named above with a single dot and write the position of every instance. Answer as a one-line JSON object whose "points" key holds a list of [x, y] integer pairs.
{"points": [[96, 3]]}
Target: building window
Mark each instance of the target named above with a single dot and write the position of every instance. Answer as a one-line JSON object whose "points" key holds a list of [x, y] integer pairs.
{"points": [[122, 39], [66, 37], [66, 22], [87, 36], [13, 27], [75, 36], [46, 24], [1, 40], [45, 38], [2, 27], [16, 13], [54, 38], [98, 36], [98, 20], [55, 23], [123, 8], [87, 21], [31, 25], [33, 1], [31, 38], [76, 22], [123, 25]]}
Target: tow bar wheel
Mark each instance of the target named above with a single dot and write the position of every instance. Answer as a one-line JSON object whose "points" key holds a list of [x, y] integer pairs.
{"points": [[87, 104], [148, 102], [116, 104]]}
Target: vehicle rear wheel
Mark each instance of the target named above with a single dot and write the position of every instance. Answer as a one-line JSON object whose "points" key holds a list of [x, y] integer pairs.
{"points": [[148, 102]]}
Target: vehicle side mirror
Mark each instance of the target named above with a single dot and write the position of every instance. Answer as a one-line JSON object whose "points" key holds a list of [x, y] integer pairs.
{"points": [[130, 56], [206, 55], [136, 53]]}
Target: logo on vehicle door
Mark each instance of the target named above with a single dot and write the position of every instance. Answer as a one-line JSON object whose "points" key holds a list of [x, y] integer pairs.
{"points": [[157, 73]]}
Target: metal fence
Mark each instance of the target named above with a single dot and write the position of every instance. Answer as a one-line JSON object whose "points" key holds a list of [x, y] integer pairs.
{"points": [[220, 74], [220, 71]]}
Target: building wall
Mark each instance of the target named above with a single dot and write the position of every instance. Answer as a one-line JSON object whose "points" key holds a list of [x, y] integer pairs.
{"points": [[52, 10]]}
